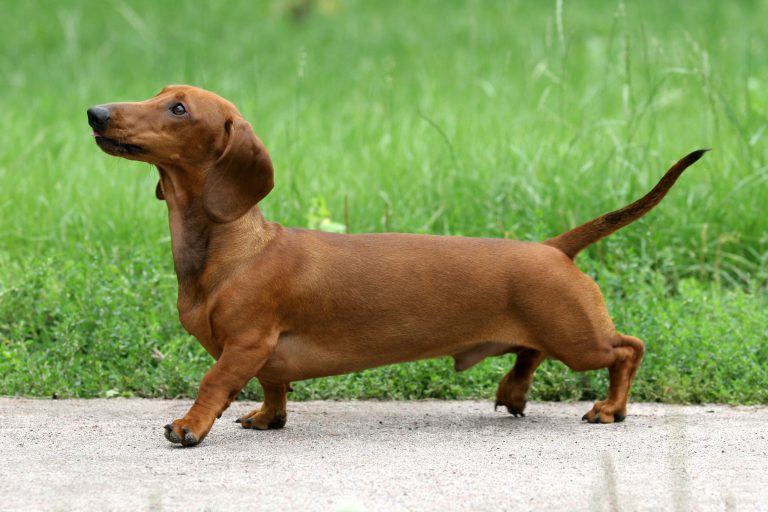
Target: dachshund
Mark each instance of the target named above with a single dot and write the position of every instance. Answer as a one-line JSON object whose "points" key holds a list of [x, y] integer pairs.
{"points": [[283, 304]]}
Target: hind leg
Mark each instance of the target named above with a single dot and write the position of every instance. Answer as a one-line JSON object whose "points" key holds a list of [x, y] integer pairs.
{"points": [[513, 388], [272, 413], [626, 355]]}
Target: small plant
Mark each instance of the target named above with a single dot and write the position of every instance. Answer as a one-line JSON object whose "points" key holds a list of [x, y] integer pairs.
{"points": [[319, 217]]}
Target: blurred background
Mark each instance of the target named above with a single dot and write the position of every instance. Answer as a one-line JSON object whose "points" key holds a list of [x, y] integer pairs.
{"points": [[515, 119]]}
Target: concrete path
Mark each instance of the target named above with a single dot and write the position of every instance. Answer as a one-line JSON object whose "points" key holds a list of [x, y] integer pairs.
{"points": [[111, 455]]}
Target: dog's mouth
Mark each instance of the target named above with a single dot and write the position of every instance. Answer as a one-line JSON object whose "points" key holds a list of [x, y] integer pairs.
{"points": [[115, 147]]}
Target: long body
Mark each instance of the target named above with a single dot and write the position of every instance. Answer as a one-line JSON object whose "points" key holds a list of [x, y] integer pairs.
{"points": [[464, 297]]}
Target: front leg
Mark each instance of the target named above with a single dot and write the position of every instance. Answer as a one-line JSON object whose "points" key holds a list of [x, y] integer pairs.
{"points": [[221, 384]]}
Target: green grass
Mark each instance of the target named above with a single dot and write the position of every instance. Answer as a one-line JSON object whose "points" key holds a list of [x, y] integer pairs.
{"points": [[504, 119]]}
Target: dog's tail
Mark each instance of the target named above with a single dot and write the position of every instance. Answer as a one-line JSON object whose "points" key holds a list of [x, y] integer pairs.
{"points": [[573, 241]]}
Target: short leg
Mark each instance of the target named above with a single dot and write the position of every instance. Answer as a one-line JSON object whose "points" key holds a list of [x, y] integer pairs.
{"points": [[513, 388], [627, 354], [234, 368], [272, 413]]}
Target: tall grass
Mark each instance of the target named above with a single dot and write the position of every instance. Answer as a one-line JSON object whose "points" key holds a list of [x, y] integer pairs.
{"points": [[501, 119]]}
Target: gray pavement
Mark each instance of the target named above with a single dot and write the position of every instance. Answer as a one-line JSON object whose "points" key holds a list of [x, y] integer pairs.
{"points": [[430, 455]]}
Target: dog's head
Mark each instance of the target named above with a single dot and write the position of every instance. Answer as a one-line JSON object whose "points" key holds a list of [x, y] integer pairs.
{"points": [[197, 135]]}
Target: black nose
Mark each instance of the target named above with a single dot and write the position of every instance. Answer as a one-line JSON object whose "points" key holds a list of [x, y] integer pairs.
{"points": [[98, 118]]}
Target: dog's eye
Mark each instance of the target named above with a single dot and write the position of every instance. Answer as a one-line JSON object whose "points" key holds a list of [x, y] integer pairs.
{"points": [[178, 109]]}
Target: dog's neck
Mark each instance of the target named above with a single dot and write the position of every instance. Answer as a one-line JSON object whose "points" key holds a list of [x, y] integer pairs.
{"points": [[205, 252]]}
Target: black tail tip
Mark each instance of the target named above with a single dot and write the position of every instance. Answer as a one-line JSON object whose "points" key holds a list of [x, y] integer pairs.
{"points": [[692, 157]]}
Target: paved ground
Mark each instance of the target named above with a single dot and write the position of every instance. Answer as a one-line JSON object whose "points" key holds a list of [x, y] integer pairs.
{"points": [[111, 455]]}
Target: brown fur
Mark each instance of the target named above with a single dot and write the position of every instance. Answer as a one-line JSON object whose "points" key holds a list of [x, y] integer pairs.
{"points": [[289, 304]]}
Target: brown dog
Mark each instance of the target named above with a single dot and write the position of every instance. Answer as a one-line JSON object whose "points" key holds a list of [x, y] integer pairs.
{"points": [[289, 304]]}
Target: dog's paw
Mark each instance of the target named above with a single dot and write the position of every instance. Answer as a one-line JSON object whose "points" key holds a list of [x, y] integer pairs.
{"points": [[604, 412], [514, 407], [263, 420], [183, 433]]}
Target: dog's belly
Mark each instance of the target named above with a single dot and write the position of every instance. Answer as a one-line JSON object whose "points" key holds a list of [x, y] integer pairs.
{"points": [[299, 357]]}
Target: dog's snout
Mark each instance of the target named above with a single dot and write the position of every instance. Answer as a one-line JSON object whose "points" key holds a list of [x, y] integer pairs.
{"points": [[98, 118]]}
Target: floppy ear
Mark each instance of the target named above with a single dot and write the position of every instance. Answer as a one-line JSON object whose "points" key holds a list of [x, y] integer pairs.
{"points": [[159, 192], [240, 178]]}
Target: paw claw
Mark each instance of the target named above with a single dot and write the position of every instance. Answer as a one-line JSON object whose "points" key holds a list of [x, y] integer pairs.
{"points": [[515, 408], [277, 422], [190, 439], [171, 435], [238, 420]]}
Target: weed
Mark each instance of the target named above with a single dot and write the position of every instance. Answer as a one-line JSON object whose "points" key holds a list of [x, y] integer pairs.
{"points": [[498, 119]]}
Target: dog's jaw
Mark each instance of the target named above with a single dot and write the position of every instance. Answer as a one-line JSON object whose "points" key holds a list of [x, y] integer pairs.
{"points": [[116, 148]]}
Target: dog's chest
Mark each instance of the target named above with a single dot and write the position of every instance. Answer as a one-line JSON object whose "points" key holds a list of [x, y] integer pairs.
{"points": [[195, 320]]}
